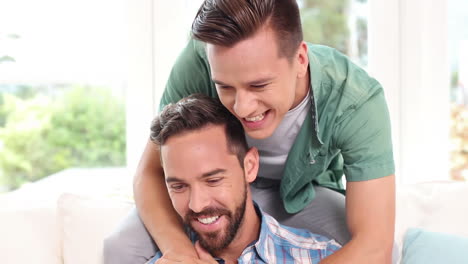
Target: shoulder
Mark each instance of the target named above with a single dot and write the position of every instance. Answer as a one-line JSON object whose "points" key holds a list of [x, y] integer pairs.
{"points": [[334, 75], [294, 245], [295, 239], [189, 75], [192, 60]]}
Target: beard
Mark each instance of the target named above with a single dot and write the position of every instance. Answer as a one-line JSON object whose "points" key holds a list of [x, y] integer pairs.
{"points": [[215, 241]]}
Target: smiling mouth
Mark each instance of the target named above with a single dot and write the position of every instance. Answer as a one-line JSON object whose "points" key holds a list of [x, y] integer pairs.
{"points": [[208, 220], [255, 118]]}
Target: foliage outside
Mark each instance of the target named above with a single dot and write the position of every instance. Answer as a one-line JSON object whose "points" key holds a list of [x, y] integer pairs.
{"points": [[458, 130], [326, 23], [459, 142], [44, 132]]}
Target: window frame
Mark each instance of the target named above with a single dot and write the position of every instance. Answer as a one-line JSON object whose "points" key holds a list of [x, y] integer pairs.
{"points": [[408, 55], [140, 88]]}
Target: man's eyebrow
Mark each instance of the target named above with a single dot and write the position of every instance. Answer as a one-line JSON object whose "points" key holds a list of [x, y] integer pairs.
{"points": [[173, 179], [213, 172], [261, 80], [219, 82], [257, 81], [204, 175]]}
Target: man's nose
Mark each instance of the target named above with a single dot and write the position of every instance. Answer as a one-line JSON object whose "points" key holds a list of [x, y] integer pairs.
{"points": [[199, 200], [244, 103]]}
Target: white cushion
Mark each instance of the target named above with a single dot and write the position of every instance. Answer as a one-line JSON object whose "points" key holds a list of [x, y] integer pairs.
{"points": [[434, 206], [28, 232], [84, 223]]}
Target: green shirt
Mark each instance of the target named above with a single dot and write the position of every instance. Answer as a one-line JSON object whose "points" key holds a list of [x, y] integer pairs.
{"points": [[346, 131]]}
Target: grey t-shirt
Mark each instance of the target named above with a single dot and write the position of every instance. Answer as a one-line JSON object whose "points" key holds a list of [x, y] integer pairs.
{"points": [[274, 149]]}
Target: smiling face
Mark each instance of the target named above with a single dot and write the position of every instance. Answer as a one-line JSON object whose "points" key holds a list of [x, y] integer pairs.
{"points": [[208, 186], [256, 84]]}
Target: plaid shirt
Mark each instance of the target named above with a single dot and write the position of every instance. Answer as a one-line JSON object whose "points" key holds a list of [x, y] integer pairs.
{"points": [[281, 244]]}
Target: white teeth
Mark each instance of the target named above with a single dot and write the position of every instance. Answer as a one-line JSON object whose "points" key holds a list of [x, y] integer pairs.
{"points": [[208, 220], [255, 118]]}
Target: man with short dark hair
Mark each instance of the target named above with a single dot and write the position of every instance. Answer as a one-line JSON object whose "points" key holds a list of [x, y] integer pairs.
{"points": [[208, 167], [314, 116]]}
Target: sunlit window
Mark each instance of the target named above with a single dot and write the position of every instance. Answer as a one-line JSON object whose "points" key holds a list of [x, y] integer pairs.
{"points": [[62, 87], [458, 52], [341, 24]]}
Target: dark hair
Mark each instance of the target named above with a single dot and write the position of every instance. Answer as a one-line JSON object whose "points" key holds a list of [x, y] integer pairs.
{"points": [[226, 22], [196, 112]]}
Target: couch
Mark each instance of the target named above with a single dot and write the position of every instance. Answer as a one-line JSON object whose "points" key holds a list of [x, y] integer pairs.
{"points": [[65, 217]]}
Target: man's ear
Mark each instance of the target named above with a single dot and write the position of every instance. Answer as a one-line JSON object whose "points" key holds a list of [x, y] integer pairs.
{"points": [[251, 164], [302, 60]]}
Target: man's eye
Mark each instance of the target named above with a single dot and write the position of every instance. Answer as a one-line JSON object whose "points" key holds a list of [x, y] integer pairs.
{"points": [[259, 85], [177, 187], [214, 181]]}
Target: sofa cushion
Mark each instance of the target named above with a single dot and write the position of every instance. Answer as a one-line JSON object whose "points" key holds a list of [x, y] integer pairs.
{"points": [[28, 232], [84, 222], [422, 247], [434, 206]]}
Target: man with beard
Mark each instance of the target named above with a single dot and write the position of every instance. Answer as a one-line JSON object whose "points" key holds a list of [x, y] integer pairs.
{"points": [[208, 167]]}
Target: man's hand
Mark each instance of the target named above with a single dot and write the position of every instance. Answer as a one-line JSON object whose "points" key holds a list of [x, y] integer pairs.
{"points": [[176, 257], [204, 255], [171, 258]]}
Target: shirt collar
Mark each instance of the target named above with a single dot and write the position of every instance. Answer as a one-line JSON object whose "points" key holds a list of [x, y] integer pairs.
{"points": [[267, 232], [315, 76]]}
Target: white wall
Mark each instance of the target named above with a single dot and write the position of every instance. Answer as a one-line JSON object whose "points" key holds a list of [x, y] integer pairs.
{"points": [[140, 86], [408, 54], [158, 31], [385, 60]]}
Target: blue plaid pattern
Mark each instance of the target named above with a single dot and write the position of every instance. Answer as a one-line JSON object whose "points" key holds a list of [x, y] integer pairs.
{"points": [[281, 244]]}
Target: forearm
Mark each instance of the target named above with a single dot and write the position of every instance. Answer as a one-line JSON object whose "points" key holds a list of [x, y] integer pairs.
{"points": [[370, 213], [155, 207]]}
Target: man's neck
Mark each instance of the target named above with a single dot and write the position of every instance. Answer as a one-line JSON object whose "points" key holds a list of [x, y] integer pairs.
{"points": [[248, 232]]}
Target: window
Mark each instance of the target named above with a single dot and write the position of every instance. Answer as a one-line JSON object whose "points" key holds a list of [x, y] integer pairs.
{"points": [[458, 56], [341, 24], [417, 50], [62, 87]]}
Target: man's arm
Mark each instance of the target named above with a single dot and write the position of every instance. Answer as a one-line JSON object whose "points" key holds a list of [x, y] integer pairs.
{"points": [[363, 135], [370, 212], [205, 258], [155, 207]]}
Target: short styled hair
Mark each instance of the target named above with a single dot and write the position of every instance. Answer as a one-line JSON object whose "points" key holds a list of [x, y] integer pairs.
{"points": [[196, 112], [226, 22]]}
